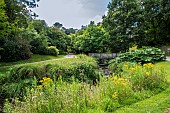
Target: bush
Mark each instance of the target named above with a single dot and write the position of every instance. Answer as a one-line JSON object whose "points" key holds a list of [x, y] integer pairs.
{"points": [[52, 50], [143, 55], [14, 51]]}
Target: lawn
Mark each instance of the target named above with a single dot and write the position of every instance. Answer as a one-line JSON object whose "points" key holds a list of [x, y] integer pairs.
{"points": [[35, 58], [156, 104], [5, 66]]}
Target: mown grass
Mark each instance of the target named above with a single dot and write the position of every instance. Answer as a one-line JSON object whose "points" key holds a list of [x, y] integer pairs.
{"points": [[35, 58], [156, 104]]}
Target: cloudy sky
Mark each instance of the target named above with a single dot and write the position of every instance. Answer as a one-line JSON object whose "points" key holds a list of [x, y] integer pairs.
{"points": [[71, 13]]}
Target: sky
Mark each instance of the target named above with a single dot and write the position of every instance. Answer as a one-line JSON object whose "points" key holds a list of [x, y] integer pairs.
{"points": [[71, 13]]}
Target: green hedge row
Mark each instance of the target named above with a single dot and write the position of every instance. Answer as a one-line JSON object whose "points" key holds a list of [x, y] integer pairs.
{"points": [[82, 68]]}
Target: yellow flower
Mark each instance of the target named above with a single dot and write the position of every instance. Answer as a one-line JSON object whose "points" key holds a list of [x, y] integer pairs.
{"points": [[124, 84], [125, 65], [145, 65], [132, 69], [41, 81], [148, 65], [115, 78], [115, 95], [148, 73], [44, 78], [39, 87], [121, 79]]}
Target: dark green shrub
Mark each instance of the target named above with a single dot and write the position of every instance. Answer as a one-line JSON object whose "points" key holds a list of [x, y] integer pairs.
{"points": [[39, 44], [14, 51], [143, 55]]}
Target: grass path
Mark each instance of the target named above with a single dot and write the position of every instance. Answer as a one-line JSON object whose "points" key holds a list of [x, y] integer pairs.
{"points": [[5, 67], [35, 58], [156, 104], [159, 103]]}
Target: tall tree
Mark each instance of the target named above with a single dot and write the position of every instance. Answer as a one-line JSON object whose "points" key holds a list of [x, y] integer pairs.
{"points": [[58, 25], [92, 39], [57, 38], [120, 22]]}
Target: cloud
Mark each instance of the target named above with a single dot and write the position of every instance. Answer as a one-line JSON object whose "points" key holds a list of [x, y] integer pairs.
{"points": [[71, 13]]}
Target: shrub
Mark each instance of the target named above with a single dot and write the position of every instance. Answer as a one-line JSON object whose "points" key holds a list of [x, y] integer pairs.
{"points": [[14, 51], [143, 55], [52, 50]]}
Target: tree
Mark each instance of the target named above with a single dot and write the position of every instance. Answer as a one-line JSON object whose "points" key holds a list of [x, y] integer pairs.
{"points": [[39, 25], [93, 39], [120, 23], [57, 25], [57, 38], [141, 22]]}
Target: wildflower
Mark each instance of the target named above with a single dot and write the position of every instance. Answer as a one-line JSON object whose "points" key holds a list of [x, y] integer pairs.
{"points": [[148, 65], [132, 69], [126, 65], [46, 81], [41, 81], [147, 73], [39, 87], [121, 79], [115, 95], [124, 84], [115, 78]]}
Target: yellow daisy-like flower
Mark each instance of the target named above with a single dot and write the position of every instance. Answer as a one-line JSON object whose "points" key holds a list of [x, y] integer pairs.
{"points": [[115, 78], [132, 69], [148, 73], [39, 87], [115, 95], [41, 81], [125, 65]]}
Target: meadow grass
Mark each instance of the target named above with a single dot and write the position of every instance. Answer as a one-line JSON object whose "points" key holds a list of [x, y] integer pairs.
{"points": [[109, 94], [156, 104], [34, 58]]}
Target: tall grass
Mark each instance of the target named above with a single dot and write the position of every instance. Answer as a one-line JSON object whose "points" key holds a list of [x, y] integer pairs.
{"points": [[109, 94], [63, 97]]}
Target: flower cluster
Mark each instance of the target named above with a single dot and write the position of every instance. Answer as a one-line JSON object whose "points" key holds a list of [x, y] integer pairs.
{"points": [[120, 81], [45, 82], [148, 65], [115, 96]]}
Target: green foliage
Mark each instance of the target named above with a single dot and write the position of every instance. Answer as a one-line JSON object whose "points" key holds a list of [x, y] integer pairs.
{"points": [[109, 94], [52, 50], [146, 77], [39, 44], [34, 58], [93, 39], [143, 55], [74, 97], [120, 22], [39, 25], [14, 51], [141, 22], [83, 69], [57, 38]]}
